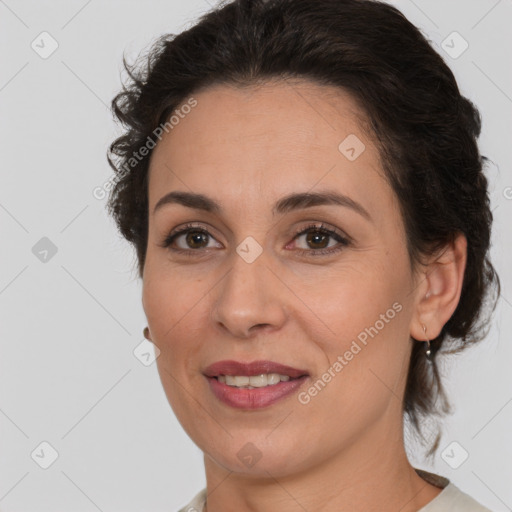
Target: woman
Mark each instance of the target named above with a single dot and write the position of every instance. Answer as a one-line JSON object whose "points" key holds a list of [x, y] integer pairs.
{"points": [[303, 187]]}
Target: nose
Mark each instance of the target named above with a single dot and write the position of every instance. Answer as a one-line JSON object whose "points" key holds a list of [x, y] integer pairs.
{"points": [[250, 298]]}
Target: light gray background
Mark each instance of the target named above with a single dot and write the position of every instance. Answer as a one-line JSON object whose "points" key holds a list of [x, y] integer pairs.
{"points": [[69, 326]]}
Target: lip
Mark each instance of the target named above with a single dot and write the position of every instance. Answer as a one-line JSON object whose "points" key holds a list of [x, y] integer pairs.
{"points": [[256, 398], [230, 367]]}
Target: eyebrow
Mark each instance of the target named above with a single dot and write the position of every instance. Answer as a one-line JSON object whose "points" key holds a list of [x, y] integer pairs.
{"points": [[286, 204]]}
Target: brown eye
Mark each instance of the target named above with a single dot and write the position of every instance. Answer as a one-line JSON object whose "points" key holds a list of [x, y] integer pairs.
{"points": [[194, 238], [317, 239]]}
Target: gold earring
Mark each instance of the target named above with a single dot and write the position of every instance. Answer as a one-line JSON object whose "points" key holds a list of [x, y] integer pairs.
{"points": [[427, 351], [146, 333]]}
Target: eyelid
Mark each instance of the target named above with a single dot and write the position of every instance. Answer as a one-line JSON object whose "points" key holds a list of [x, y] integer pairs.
{"points": [[323, 226], [183, 230], [340, 236]]}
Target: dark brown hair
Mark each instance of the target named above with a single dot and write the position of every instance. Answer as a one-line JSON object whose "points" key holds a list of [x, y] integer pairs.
{"points": [[426, 132]]}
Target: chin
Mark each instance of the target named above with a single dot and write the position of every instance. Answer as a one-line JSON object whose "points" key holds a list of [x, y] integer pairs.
{"points": [[257, 456]]}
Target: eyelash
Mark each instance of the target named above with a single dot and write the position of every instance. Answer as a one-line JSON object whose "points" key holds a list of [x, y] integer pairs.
{"points": [[343, 241]]}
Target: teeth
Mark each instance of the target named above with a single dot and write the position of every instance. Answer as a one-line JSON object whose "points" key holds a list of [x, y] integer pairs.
{"points": [[254, 381]]}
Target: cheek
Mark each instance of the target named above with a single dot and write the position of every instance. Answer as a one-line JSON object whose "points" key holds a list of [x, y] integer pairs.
{"points": [[365, 373], [168, 296], [364, 291], [169, 307], [364, 314], [371, 341], [176, 310]]}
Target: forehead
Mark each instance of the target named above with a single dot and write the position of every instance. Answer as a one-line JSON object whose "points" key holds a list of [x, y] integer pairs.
{"points": [[303, 110], [271, 137]]}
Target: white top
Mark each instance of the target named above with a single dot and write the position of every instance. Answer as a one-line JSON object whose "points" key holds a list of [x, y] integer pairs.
{"points": [[450, 499]]}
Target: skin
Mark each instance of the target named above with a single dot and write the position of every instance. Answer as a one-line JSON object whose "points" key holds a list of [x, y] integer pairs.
{"points": [[247, 148]]}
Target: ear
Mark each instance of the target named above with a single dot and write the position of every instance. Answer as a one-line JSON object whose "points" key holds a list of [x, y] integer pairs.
{"points": [[439, 289], [147, 334], [145, 331]]}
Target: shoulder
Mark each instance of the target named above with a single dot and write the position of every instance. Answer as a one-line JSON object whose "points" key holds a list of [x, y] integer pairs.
{"points": [[452, 499], [197, 503]]}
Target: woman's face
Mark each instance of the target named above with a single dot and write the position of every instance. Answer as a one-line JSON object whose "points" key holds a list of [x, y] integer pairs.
{"points": [[338, 307]]}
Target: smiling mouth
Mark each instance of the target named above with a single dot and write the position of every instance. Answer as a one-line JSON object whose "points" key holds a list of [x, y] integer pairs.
{"points": [[254, 381], [238, 392], [243, 370], [253, 385]]}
